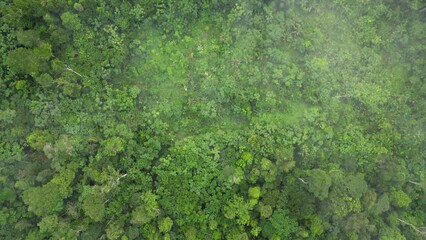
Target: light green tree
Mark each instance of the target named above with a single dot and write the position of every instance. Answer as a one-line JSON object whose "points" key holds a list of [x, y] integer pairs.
{"points": [[48, 223], [165, 225], [279, 225], [94, 206], [48, 198], [237, 208], [43, 200], [148, 210], [399, 198], [71, 21]]}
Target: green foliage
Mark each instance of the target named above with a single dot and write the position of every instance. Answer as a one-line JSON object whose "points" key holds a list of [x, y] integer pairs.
{"points": [[212, 119], [358, 225], [71, 21], [318, 183], [28, 38], [45, 80], [149, 209], [165, 225], [22, 60], [7, 195], [29, 61], [317, 226], [356, 186], [265, 211], [7, 115], [399, 198], [382, 204], [113, 146], [280, 225], [284, 158], [78, 7], [43, 200], [49, 197], [237, 209], [191, 233], [48, 223], [114, 230], [94, 205], [254, 192], [388, 233]]}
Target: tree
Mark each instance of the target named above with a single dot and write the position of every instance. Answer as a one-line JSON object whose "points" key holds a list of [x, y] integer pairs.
{"points": [[358, 225], [382, 204], [284, 158], [316, 226], [268, 170], [237, 208], [71, 21], [29, 61], [28, 38], [48, 223], [7, 115], [23, 61], [279, 225], [38, 139], [265, 210], [399, 198], [165, 225], [356, 186], [7, 195], [114, 230], [318, 183], [389, 233], [163, 119], [48, 198], [45, 80], [43, 200], [94, 205], [113, 146], [254, 192], [147, 211]]}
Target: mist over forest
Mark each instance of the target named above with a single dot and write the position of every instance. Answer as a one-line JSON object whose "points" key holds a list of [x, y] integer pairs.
{"points": [[213, 119]]}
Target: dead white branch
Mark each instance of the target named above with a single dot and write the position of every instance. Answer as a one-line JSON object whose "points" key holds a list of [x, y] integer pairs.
{"points": [[421, 230], [416, 183], [68, 68], [303, 181]]}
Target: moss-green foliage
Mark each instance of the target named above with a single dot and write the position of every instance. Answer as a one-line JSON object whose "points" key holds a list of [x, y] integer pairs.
{"points": [[93, 206], [279, 225], [215, 119], [319, 183], [165, 225], [400, 198], [43, 200]]}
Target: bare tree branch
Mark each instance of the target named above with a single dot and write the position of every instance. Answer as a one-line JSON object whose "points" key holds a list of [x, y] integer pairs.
{"points": [[421, 230], [68, 68], [416, 183], [303, 181]]}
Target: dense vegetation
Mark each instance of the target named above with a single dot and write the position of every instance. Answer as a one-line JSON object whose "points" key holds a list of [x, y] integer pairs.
{"points": [[219, 119]]}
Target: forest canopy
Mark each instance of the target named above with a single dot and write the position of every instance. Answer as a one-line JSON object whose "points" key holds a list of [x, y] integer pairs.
{"points": [[221, 119]]}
